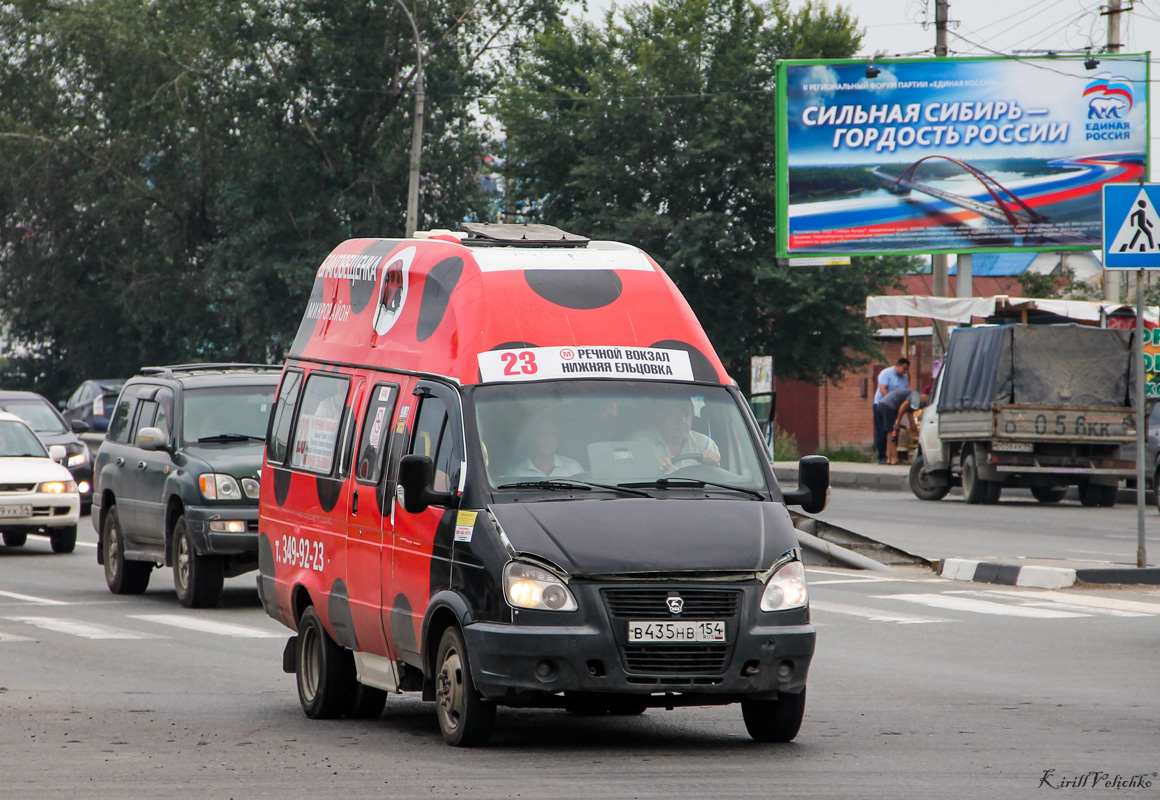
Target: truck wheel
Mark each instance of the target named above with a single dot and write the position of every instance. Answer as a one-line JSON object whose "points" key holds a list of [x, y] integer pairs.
{"points": [[122, 577], [1108, 495], [928, 485], [64, 540], [1089, 494], [975, 489], [198, 579], [465, 718], [18, 538], [1048, 494], [325, 673], [774, 720]]}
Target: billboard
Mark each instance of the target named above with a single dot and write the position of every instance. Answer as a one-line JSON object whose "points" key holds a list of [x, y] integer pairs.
{"points": [[954, 155]]}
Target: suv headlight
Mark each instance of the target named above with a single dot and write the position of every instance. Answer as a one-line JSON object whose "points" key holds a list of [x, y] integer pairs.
{"points": [[786, 589], [527, 586], [215, 486]]}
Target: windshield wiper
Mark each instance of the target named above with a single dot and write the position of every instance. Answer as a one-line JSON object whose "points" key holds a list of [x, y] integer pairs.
{"points": [[229, 437], [692, 483], [556, 485]]}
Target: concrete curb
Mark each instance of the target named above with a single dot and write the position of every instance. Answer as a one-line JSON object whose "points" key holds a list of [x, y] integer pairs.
{"points": [[834, 555], [1044, 577]]}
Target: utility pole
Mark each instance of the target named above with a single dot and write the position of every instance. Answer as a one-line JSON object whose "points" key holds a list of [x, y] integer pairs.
{"points": [[416, 129], [938, 261], [1113, 279]]}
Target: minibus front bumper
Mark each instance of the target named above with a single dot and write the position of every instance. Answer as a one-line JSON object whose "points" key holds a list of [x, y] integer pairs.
{"points": [[765, 653]]}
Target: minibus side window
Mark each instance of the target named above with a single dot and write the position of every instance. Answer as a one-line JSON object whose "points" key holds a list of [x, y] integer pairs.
{"points": [[283, 415], [374, 442], [316, 429], [437, 438]]}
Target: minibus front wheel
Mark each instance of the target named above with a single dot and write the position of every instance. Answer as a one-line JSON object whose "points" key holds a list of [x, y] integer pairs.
{"points": [[774, 720], [465, 718]]}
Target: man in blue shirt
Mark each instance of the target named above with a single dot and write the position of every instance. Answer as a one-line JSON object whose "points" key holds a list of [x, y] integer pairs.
{"points": [[889, 379]]}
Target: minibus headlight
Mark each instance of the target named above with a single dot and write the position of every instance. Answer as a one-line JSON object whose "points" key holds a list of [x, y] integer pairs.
{"points": [[527, 586], [215, 486], [786, 589]]}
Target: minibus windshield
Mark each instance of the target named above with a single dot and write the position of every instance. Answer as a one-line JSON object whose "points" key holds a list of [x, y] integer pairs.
{"points": [[616, 433]]}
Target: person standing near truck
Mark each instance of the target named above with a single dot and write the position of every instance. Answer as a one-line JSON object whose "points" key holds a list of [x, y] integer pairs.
{"points": [[889, 380]]}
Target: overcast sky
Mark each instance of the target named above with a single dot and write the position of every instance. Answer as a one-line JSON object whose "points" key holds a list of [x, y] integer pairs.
{"points": [[994, 27]]}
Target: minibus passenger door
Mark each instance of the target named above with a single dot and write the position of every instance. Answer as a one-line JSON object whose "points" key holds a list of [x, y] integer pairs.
{"points": [[368, 532], [423, 541]]}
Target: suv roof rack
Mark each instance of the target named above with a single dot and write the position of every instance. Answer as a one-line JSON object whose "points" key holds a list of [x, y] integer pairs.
{"points": [[486, 234], [207, 367]]}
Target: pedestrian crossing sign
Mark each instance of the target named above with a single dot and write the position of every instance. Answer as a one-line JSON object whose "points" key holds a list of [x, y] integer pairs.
{"points": [[1132, 226]]}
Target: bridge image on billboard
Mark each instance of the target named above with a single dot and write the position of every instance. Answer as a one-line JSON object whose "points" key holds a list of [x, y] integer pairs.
{"points": [[967, 155]]}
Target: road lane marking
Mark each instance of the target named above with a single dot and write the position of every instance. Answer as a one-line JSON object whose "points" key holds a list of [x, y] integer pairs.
{"points": [[208, 626], [877, 616], [12, 637], [86, 630], [27, 598], [954, 603], [1110, 605]]}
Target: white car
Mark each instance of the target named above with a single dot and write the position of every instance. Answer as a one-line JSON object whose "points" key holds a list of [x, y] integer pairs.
{"points": [[37, 495]]}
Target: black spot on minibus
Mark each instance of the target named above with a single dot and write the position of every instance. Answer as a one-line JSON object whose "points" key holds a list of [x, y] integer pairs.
{"points": [[341, 619], [437, 289], [329, 490], [702, 367], [579, 289], [281, 485]]}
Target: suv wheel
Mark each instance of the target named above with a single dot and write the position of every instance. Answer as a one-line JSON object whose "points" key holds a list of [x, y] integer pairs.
{"points": [[198, 579], [123, 577]]}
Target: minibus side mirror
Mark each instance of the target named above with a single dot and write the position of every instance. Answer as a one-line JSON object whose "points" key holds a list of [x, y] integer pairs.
{"points": [[915, 400], [415, 477], [813, 490]]}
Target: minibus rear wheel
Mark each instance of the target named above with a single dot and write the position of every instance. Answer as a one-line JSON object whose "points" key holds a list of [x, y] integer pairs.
{"points": [[774, 720], [325, 673], [465, 718]]}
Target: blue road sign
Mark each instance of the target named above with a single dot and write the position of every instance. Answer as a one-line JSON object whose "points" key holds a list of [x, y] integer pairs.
{"points": [[1131, 226]]}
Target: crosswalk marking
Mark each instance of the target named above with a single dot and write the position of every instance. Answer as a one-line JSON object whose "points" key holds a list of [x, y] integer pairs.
{"points": [[27, 598], [957, 603], [209, 626], [1108, 605], [877, 616], [87, 630]]}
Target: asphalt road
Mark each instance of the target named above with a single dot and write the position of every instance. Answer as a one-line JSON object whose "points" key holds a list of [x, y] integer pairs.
{"points": [[920, 688], [1017, 527]]}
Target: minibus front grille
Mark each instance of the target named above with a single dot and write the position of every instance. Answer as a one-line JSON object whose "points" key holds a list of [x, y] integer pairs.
{"points": [[652, 603], [673, 659]]}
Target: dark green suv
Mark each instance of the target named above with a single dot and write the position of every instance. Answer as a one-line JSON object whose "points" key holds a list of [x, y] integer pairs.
{"points": [[177, 477]]}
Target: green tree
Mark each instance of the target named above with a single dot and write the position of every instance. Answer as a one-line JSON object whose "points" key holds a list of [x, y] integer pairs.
{"points": [[657, 128], [173, 171]]}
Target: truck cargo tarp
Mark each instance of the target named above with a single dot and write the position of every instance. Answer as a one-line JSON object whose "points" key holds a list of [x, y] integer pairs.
{"points": [[1072, 365]]}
